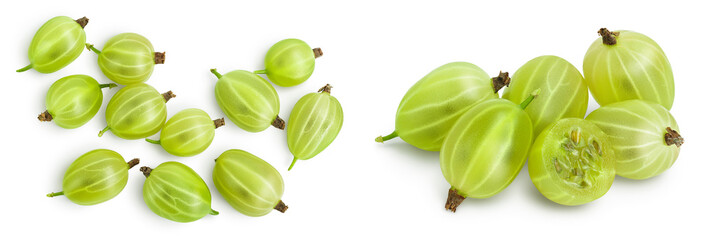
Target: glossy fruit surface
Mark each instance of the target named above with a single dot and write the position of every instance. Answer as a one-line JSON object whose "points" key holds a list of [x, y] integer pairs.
{"points": [[290, 62], [128, 58], [136, 111], [572, 162], [431, 107], [56, 44], [175, 192], [485, 150], [188, 133], [248, 183], [248, 100], [644, 136], [95, 177], [314, 123], [563, 91], [73, 100], [627, 65]]}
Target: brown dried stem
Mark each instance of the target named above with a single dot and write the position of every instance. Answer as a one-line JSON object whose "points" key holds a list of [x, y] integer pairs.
{"points": [[45, 117], [502, 80], [281, 207]]}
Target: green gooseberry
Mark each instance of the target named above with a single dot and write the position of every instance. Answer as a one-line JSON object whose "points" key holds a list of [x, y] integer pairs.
{"points": [[188, 133], [563, 93], [486, 149], [314, 123], [175, 192], [627, 65], [290, 62], [572, 162], [248, 100], [643, 134], [430, 107], [128, 58], [56, 44], [251, 185], [95, 177], [136, 111], [73, 100]]}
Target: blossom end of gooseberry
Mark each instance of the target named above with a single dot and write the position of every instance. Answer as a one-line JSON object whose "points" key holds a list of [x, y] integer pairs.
{"points": [[281, 207]]}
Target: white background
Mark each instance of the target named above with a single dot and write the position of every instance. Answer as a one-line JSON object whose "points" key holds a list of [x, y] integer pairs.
{"points": [[356, 188]]}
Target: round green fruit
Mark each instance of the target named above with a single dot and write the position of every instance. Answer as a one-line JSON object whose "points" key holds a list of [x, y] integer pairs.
{"points": [[188, 133], [485, 149], [248, 100], [572, 162], [73, 100], [431, 107], [563, 91], [644, 136], [95, 177], [290, 62], [56, 44], [175, 192], [248, 183], [314, 123], [128, 58], [627, 65], [136, 111]]}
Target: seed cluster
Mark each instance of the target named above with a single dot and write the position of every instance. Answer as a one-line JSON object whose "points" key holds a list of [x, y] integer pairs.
{"points": [[578, 165]]}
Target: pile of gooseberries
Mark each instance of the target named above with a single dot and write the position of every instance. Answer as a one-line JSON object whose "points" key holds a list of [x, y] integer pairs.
{"points": [[572, 160], [173, 190]]}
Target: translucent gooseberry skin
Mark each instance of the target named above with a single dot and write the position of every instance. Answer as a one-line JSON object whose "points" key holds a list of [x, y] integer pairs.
{"points": [[187, 133], [547, 148], [432, 105], [74, 100], [128, 58], [637, 132], [633, 68], [315, 121], [95, 177], [248, 100], [289, 62], [136, 111], [175, 192], [248, 183], [57, 43], [563, 91], [486, 148]]}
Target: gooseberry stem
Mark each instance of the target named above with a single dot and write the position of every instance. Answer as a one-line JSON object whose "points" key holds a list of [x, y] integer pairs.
{"points": [[108, 85], [152, 141], [672, 137], [281, 207], [82, 21], [28, 67], [54, 194], [213, 212], [45, 116], [146, 171], [527, 101], [608, 37], [278, 123], [326, 89], [92, 48], [218, 122], [260, 72], [133, 163], [382, 139], [159, 57], [214, 71], [453, 200], [168, 95], [502, 80], [317, 52], [292, 163], [101, 133]]}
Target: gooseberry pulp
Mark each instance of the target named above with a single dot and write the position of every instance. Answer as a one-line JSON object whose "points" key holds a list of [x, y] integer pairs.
{"points": [[627, 65], [290, 62], [175, 192], [485, 149], [572, 162], [73, 100], [248, 100], [57, 43], [128, 58], [188, 133], [431, 107], [95, 177], [644, 136], [563, 91], [248, 183], [136, 111], [315, 121]]}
